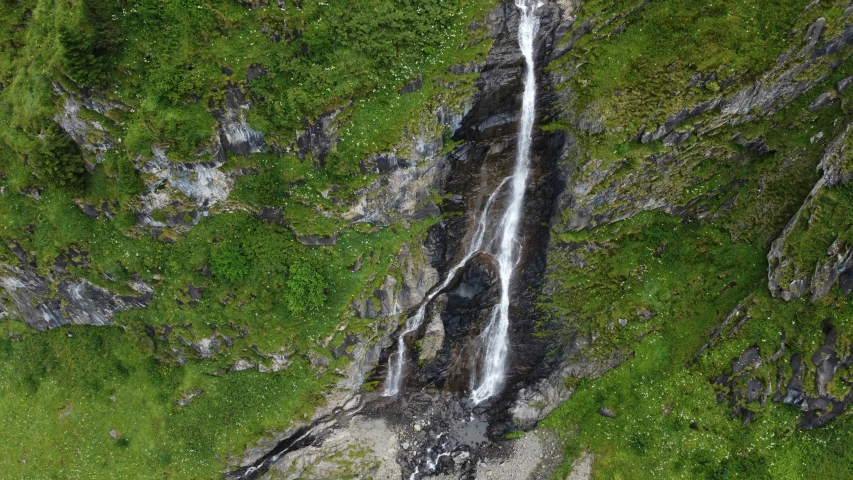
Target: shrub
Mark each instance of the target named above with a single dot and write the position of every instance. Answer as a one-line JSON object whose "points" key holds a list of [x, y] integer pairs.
{"points": [[229, 263], [305, 290]]}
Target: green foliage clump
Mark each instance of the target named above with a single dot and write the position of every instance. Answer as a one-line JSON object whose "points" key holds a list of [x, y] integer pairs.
{"points": [[305, 288], [228, 262]]}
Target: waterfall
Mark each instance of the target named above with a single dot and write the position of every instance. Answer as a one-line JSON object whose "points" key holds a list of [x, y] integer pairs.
{"points": [[509, 252], [495, 334], [397, 361]]}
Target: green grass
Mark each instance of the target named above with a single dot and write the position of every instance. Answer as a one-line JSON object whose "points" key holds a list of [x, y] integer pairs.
{"points": [[83, 371], [692, 276], [60, 386]]}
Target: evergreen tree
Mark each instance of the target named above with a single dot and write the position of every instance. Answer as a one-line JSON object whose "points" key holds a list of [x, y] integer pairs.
{"points": [[57, 161], [129, 182], [88, 45]]}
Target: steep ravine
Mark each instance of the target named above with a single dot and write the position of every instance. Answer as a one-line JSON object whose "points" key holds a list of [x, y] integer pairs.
{"points": [[435, 427]]}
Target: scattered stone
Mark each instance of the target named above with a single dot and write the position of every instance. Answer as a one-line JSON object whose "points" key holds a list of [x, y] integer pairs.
{"points": [[114, 434], [820, 102], [406, 445], [606, 412], [842, 84], [815, 30], [112, 398], [623, 322], [461, 457], [188, 396], [242, 364]]}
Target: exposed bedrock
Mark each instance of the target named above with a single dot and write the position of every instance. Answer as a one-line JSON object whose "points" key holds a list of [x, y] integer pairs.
{"points": [[477, 167]]}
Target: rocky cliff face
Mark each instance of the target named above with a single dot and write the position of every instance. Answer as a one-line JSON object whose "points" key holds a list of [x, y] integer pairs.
{"points": [[56, 298], [787, 278]]}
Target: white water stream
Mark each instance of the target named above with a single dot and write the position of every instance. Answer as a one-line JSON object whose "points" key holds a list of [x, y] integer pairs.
{"points": [[509, 250], [397, 361]]}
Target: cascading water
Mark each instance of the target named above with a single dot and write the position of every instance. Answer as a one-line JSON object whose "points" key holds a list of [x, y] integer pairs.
{"points": [[397, 361], [495, 335], [509, 252]]}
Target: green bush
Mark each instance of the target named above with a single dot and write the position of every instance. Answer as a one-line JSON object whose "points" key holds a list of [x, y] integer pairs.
{"points": [[305, 288], [229, 263]]}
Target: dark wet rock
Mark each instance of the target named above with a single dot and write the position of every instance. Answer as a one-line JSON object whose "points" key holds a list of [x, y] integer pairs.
{"points": [[236, 136], [753, 390], [413, 86], [496, 106], [254, 72], [564, 47], [195, 292], [90, 210], [429, 210], [747, 385], [750, 357], [389, 163], [227, 71], [318, 241], [464, 68], [318, 137], [842, 84]]}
